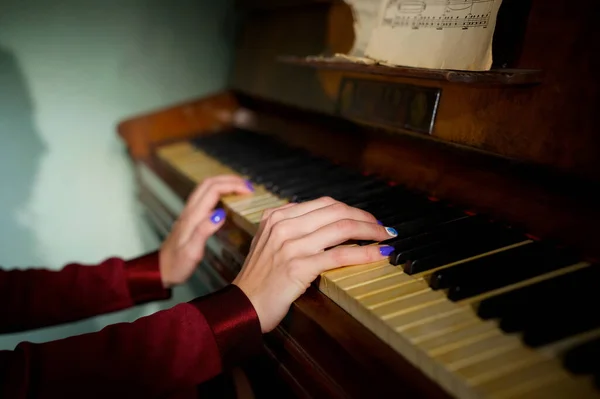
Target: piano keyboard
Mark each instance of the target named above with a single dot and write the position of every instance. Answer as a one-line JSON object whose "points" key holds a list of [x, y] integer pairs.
{"points": [[480, 307]]}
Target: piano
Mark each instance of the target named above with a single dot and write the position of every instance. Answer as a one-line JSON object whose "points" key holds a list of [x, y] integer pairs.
{"points": [[491, 179]]}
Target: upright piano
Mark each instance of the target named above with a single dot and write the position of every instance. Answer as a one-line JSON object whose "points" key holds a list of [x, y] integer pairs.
{"points": [[490, 177]]}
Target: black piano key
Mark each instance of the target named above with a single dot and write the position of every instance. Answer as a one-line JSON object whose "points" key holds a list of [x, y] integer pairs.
{"points": [[420, 221], [299, 184], [406, 213], [584, 358], [370, 194], [422, 224], [473, 246], [559, 325], [358, 184], [537, 259], [557, 310], [326, 186], [537, 294], [280, 175], [399, 257], [454, 228], [451, 276]]}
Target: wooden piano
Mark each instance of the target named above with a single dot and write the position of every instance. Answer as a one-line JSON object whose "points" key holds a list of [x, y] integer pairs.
{"points": [[492, 180]]}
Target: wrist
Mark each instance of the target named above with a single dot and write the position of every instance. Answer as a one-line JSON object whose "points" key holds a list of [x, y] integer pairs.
{"points": [[144, 279], [163, 267], [254, 300]]}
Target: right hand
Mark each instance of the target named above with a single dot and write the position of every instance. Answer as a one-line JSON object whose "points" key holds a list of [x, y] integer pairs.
{"points": [[289, 252]]}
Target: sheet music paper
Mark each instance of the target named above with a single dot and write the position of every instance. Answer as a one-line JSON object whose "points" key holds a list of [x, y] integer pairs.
{"points": [[443, 34]]}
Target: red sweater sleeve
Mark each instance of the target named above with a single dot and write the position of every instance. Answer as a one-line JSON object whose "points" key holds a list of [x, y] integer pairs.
{"points": [[36, 298], [155, 356]]}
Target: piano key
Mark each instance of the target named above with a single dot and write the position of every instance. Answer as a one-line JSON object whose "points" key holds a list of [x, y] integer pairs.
{"points": [[547, 319], [584, 359], [410, 312], [439, 232], [558, 325], [561, 388], [471, 248], [497, 306], [491, 367], [399, 257], [458, 337], [481, 282], [322, 186], [523, 379], [491, 271]]}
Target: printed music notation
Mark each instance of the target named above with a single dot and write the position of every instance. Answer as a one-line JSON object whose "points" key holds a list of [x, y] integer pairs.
{"points": [[437, 14]]}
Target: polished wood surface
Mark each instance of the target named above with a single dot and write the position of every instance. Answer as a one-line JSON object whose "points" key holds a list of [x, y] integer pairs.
{"points": [[176, 122]]}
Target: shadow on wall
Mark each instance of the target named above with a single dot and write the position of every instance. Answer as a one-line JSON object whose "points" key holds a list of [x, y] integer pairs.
{"points": [[20, 151]]}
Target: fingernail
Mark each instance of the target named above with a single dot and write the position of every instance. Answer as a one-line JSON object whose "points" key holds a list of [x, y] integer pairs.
{"points": [[249, 185], [379, 222], [391, 231], [218, 216], [386, 250]]}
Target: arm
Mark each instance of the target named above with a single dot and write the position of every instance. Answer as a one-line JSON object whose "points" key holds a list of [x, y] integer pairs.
{"points": [[37, 298], [151, 357]]}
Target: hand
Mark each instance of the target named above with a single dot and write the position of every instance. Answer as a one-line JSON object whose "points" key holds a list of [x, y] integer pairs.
{"points": [[288, 252], [184, 247]]}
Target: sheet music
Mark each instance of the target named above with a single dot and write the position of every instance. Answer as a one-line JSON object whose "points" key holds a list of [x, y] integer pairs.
{"points": [[444, 34]]}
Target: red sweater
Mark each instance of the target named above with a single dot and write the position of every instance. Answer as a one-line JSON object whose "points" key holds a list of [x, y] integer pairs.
{"points": [[155, 356]]}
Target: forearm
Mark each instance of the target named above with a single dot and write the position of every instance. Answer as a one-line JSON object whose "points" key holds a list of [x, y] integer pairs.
{"points": [[151, 357], [34, 298]]}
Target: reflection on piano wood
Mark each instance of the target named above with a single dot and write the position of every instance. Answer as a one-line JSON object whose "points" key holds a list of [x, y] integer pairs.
{"points": [[463, 316]]}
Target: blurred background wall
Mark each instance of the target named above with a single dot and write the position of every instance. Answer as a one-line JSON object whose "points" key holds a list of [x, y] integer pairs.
{"points": [[70, 70]]}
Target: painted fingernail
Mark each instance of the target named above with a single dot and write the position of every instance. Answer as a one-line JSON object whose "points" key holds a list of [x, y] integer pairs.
{"points": [[386, 250], [391, 231], [379, 222], [218, 216], [249, 185]]}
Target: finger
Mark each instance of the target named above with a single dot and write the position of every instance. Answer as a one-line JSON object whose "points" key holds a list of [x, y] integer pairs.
{"points": [[201, 190], [300, 209], [345, 256], [302, 225], [194, 248], [336, 233], [208, 227], [208, 202], [258, 235]]}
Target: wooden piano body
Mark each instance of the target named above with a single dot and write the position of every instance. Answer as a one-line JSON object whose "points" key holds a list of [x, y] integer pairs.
{"points": [[518, 143]]}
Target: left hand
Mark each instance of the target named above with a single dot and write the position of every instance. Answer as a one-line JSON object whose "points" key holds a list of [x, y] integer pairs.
{"points": [[184, 247]]}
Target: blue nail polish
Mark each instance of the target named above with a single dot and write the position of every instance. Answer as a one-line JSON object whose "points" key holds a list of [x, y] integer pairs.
{"points": [[386, 250], [379, 222], [218, 216], [391, 231], [249, 185]]}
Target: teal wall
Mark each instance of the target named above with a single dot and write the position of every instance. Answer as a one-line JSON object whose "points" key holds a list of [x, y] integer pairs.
{"points": [[69, 72]]}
